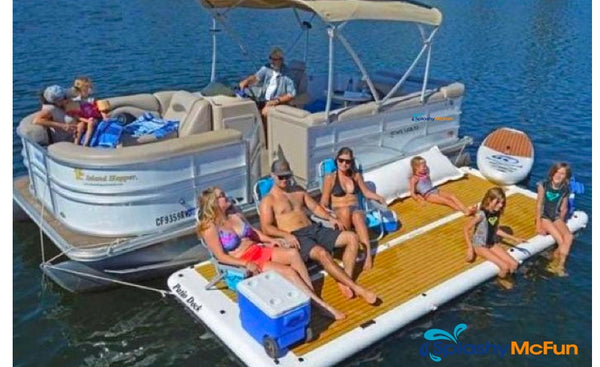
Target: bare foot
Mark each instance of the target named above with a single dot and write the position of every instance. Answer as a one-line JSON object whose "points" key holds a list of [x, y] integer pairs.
{"points": [[346, 291], [506, 282], [338, 315], [367, 295], [470, 255]]}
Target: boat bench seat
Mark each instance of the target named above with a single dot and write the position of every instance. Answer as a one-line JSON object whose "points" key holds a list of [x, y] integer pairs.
{"points": [[77, 155], [192, 111]]}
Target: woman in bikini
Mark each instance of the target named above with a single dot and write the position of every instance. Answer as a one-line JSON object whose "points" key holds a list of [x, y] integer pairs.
{"points": [[232, 240], [341, 189]]}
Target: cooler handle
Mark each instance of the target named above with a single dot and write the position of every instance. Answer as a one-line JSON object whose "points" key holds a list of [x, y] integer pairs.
{"points": [[294, 318]]}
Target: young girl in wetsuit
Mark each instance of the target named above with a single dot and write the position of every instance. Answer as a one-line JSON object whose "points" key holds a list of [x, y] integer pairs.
{"points": [[421, 188], [481, 235], [341, 189], [552, 199]]}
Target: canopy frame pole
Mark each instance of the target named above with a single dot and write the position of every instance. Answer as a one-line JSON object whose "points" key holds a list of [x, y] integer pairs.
{"points": [[234, 36], [213, 68], [305, 26], [426, 45], [358, 63], [331, 33]]}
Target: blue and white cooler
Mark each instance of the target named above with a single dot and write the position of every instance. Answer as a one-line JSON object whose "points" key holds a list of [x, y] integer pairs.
{"points": [[274, 312]]}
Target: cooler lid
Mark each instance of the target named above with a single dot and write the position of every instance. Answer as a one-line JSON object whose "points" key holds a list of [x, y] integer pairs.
{"points": [[272, 294]]}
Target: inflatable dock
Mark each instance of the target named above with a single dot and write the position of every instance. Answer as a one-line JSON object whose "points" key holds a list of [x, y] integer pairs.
{"points": [[416, 270]]}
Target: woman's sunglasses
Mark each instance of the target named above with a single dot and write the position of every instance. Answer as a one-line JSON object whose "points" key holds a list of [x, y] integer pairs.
{"points": [[221, 195], [347, 161]]}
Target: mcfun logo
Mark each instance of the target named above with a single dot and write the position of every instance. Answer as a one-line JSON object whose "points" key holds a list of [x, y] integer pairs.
{"points": [[441, 344]]}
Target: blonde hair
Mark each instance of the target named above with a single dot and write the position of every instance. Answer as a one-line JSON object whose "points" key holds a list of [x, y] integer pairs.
{"points": [[80, 82], [491, 195], [207, 209], [415, 161]]}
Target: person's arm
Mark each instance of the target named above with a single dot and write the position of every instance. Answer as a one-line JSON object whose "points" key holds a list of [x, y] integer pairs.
{"points": [[211, 237], [44, 118], [538, 209], [468, 229], [248, 81], [320, 211], [267, 223], [285, 98], [257, 235], [327, 187], [366, 192], [412, 187], [515, 239]]}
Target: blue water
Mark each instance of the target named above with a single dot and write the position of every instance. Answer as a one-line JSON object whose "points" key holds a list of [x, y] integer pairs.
{"points": [[525, 64]]}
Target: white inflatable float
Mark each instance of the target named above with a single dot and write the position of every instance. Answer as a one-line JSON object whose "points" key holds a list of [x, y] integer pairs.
{"points": [[506, 156]]}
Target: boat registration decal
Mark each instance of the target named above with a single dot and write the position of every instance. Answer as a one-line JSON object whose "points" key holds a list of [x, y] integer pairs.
{"points": [[174, 217], [405, 130]]}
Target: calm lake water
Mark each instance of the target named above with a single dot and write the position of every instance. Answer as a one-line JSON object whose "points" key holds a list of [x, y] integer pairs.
{"points": [[525, 64]]}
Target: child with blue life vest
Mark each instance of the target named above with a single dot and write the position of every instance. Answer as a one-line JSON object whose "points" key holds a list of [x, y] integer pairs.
{"points": [[482, 232], [421, 188], [551, 212]]}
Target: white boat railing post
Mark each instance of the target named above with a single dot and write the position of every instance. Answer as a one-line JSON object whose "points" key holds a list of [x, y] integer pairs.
{"points": [[331, 33], [429, 43], [358, 63], [410, 69], [213, 69]]}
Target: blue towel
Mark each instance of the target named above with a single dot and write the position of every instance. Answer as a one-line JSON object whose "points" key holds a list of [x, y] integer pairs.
{"points": [[107, 134], [149, 124]]}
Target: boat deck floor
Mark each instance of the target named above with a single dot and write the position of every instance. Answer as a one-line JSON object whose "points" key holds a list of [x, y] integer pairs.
{"points": [[75, 239], [413, 266]]}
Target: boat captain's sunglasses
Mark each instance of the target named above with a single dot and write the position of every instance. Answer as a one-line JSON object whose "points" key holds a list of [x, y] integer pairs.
{"points": [[347, 161], [275, 58]]}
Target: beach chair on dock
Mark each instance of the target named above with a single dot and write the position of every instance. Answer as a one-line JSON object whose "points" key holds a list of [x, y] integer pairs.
{"points": [[230, 274]]}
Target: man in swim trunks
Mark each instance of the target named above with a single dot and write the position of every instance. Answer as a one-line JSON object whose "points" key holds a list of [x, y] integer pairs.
{"points": [[282, 214]]}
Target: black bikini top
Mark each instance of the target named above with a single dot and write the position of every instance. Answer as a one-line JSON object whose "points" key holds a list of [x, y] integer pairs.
{"points": [[338, 190]]}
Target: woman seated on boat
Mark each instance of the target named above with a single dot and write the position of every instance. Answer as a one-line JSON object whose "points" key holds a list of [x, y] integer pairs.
{"points": [[277, 86], [421, 188], [53, 116], [341, 189], [232, 240], [551, 214]]}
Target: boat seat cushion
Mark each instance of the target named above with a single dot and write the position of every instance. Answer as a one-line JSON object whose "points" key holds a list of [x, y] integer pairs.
{"points": [[135, 104], [440, 168], [36, 133], [297, 72], [192, 112]]}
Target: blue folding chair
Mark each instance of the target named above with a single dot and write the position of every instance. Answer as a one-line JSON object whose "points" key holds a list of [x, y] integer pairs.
{"points": [[379, 218], [261, 189]]}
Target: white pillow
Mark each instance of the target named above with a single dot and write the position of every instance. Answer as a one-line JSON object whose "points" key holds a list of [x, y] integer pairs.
{"points": [[391, 180]]}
